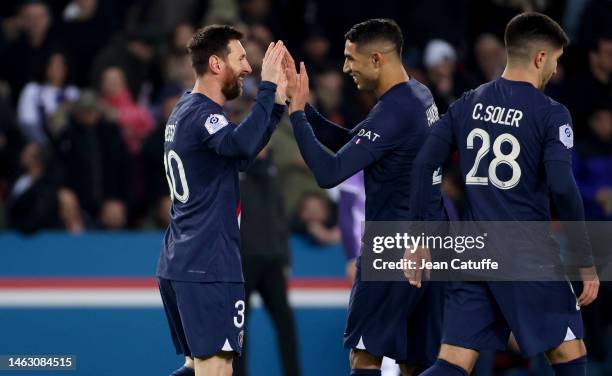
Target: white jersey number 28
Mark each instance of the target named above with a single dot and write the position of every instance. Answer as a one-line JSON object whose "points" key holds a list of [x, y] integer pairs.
{"points": [[500, 158]]}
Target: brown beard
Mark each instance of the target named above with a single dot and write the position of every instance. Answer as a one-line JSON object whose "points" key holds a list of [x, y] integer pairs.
{"points": [[231, 88]]}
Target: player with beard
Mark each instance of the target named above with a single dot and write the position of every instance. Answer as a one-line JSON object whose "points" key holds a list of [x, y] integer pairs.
{"points": [[511, 162], [199, 270]]}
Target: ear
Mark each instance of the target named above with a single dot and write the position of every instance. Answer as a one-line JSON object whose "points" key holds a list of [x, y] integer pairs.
{"points": [[377, 59], [215, 64], [540, 59]]}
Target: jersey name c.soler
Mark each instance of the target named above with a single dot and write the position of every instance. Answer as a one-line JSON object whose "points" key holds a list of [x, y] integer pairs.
{"points": [[505, 131]]}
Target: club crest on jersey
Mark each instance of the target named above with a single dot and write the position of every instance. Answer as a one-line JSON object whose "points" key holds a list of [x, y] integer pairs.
{"points": [[566, 136], [367, 134], [215, 122], [169, 132], [432, 114]]}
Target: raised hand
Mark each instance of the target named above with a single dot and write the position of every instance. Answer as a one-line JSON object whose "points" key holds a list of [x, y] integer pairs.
{"points": [[291, 74], [271, 67], [281, 90], [302, 92]]}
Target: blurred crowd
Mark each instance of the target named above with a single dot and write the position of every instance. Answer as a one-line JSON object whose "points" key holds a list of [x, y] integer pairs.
{"points": [[86, 87]]}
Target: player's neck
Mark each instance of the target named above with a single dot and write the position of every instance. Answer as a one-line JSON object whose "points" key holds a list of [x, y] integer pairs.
{"points": [[520, 74], [390, 78], [209, 87]]}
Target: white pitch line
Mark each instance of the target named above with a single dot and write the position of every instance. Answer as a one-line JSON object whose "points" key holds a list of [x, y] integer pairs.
{"points": [[146, 298]]}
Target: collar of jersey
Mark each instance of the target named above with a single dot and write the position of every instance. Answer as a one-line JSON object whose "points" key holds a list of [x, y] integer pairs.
{"points": [[207, 99]]}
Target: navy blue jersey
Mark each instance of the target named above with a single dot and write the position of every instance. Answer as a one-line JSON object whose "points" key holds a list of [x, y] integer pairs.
{"points": [[203, 152], [393, 133], [504, 132], [384, 145]]}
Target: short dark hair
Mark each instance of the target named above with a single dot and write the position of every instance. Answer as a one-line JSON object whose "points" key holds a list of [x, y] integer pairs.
{"points": [[530, 27], [377, 29], [208, 41]]}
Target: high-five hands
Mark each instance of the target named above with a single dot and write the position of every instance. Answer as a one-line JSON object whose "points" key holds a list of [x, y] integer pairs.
{"points": [[272, 65], [300, 92], [291, 74], [281, 90]]}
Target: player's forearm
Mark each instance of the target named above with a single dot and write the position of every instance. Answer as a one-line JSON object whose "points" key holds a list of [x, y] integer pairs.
{"points": [[328, 133], [277, 114], [314, 155], [432, 155], [570, 209], [243, 141], [329, 170]]}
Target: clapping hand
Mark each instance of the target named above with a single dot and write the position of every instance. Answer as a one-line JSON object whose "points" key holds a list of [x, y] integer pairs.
{"points": [[301, 92], [272, 65]]}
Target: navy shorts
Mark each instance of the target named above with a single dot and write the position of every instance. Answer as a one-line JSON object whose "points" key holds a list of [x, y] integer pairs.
{"points": [[541, 315], [204, 318], [395, 319]]}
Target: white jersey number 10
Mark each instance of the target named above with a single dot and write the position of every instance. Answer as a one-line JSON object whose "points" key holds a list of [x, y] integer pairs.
{"points": [[168, 158]]}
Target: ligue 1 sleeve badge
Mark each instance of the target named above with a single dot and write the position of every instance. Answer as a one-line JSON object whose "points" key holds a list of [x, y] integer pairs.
{"points": [[240, 338], [566, 136], [215, 122]]}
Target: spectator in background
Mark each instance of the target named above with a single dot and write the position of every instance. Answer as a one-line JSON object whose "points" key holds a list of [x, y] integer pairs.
{"points": [[181, 35], [36, 202], [135, 121], [440, 60], [597, 82], [97, 164], [178, 70], [255, 53], [11, 143], [261, 12], [163, 14], [177, 64], [595, 21], [490, 58], [260, 33], [593, 165], [136, 55], [316, 48], [265, 255], [34, 43], [86, 28], [328, 93], [40, 99], [315, 218]]}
